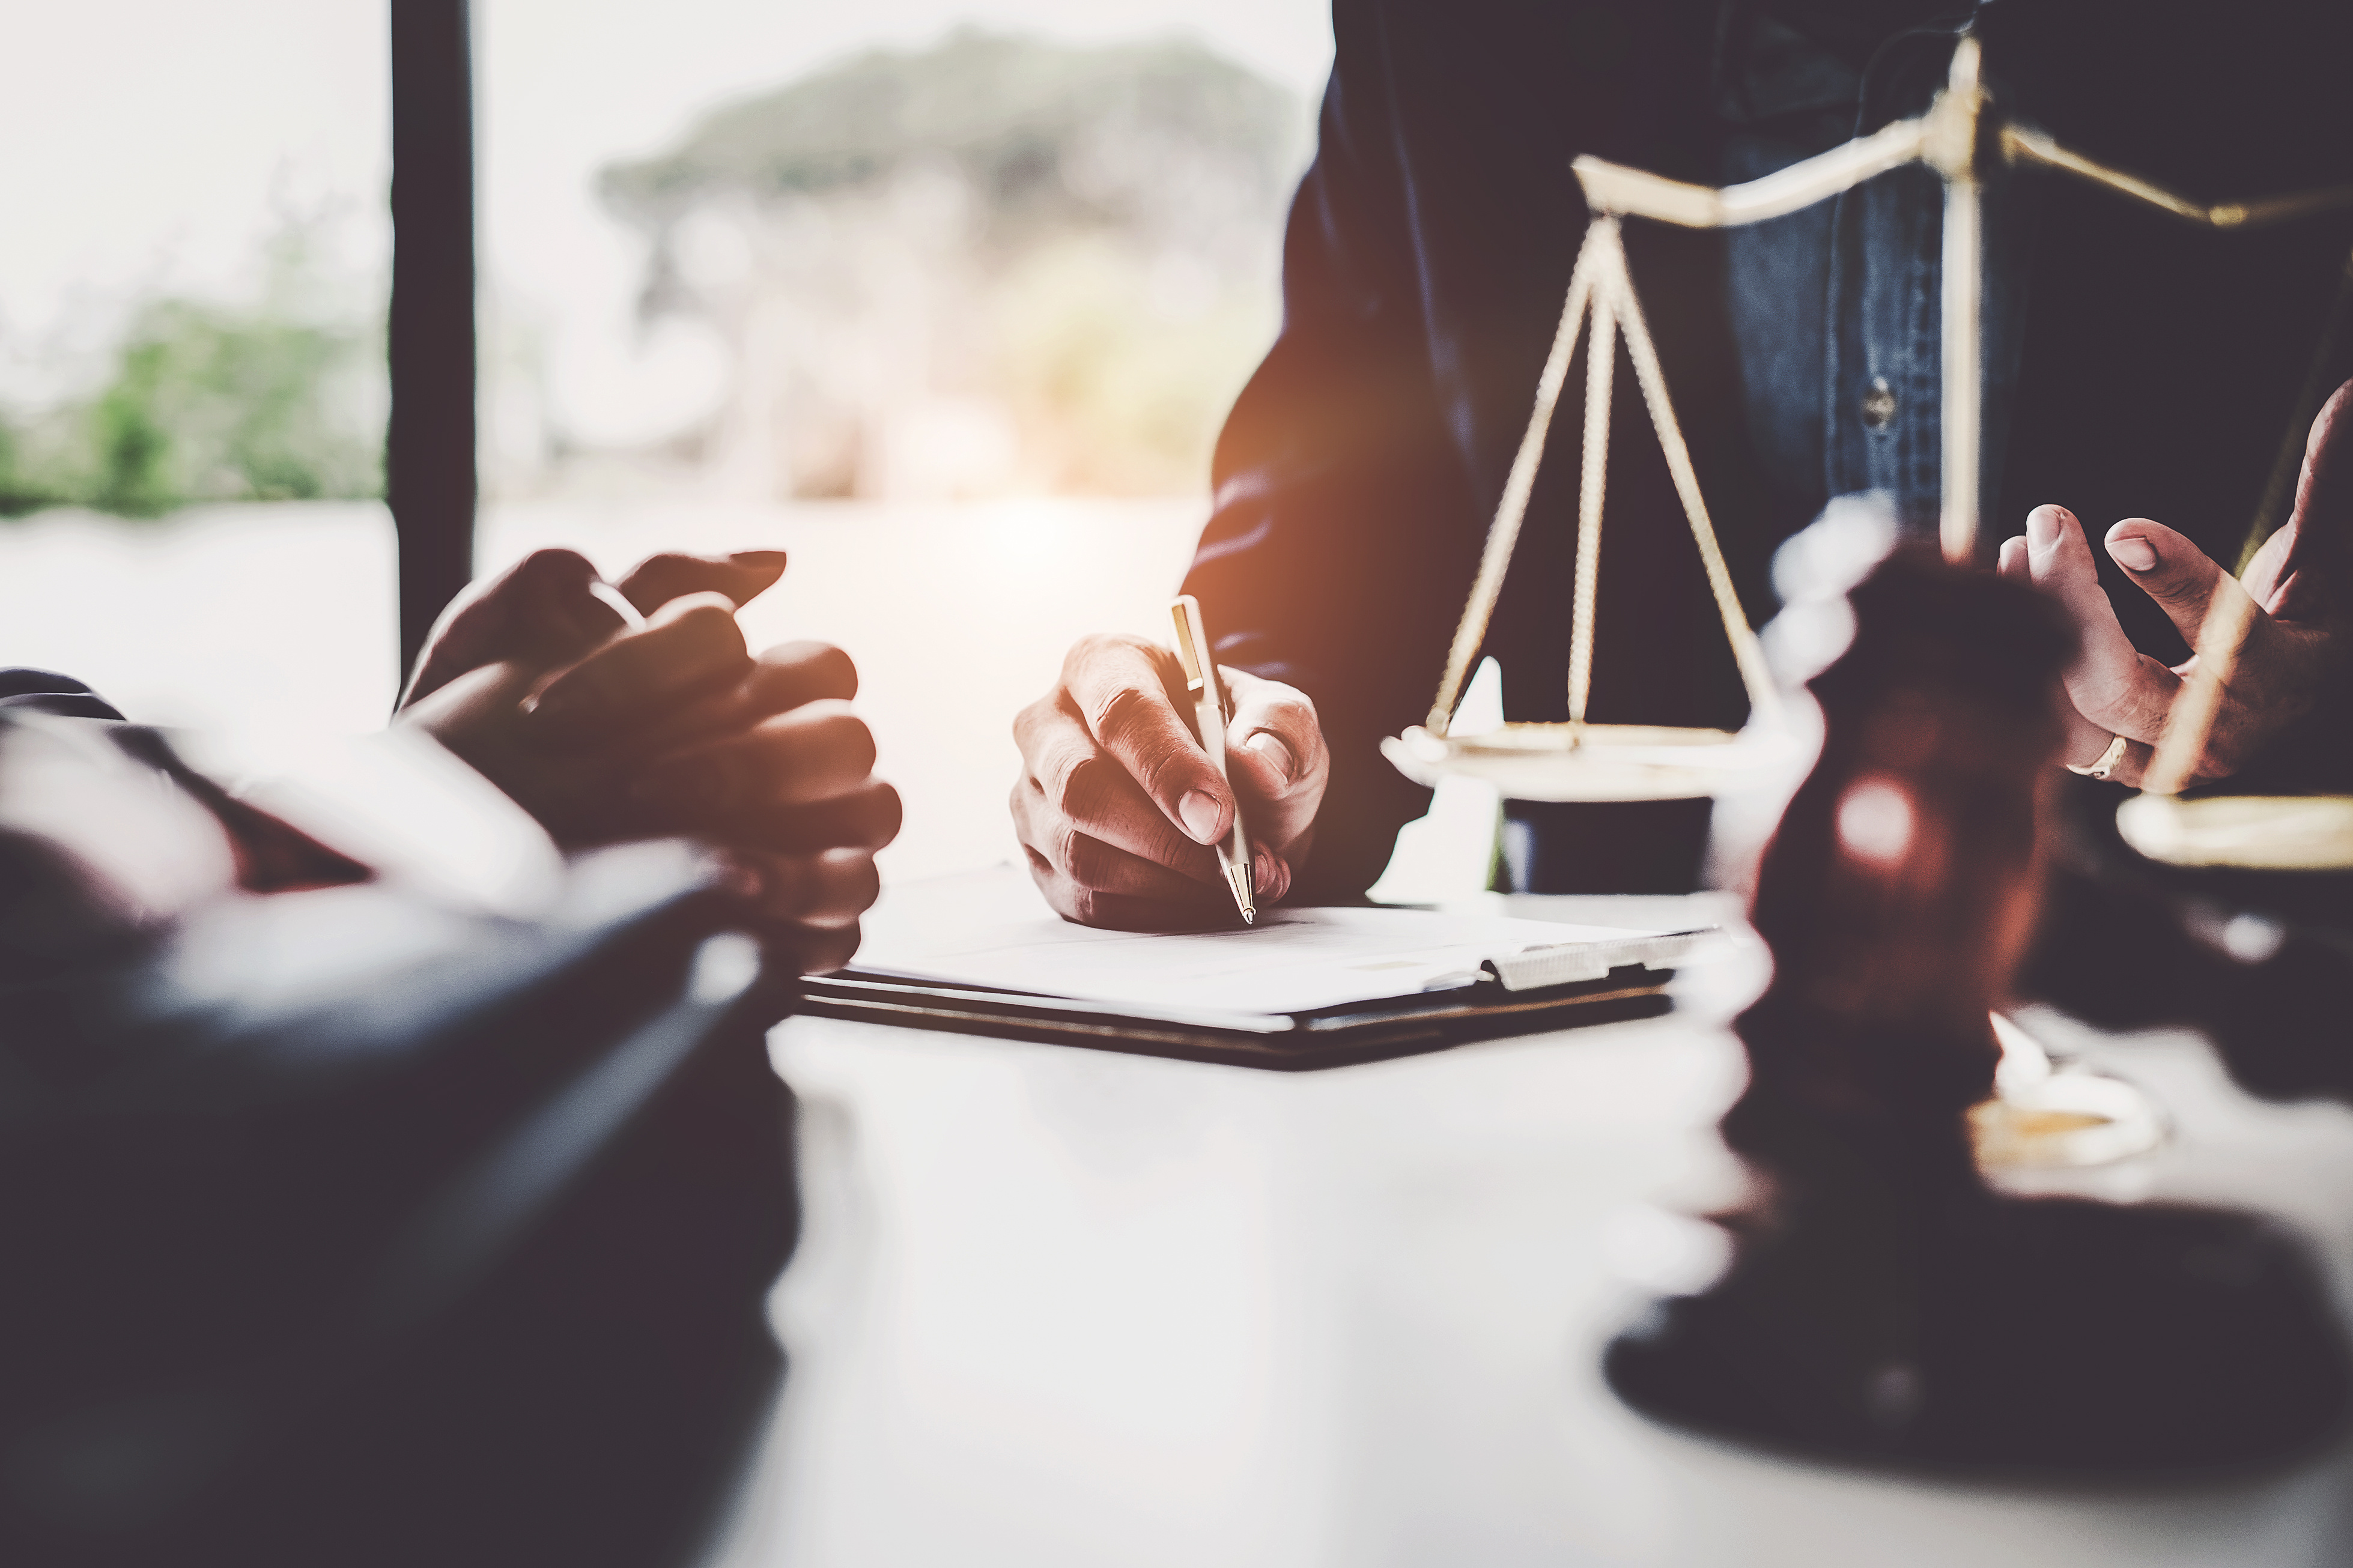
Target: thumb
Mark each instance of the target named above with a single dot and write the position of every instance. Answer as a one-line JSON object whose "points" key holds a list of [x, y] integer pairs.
{"points": [[2169, 570], [537, 612], [2324, 490], [2313, 555]]}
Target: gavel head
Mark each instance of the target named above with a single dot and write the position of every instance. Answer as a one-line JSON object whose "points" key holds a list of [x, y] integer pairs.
{"points": [[1899, 887], [1899, 892]]}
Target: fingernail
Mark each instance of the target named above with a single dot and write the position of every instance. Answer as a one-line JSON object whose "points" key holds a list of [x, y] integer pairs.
{"points": [[2042, 526], [1262, 873], [1198, 813], [2133, 552], [1271, 746], [757, 557]]}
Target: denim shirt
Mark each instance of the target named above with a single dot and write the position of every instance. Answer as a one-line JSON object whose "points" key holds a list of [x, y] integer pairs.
{"points": [[1837, 308]]}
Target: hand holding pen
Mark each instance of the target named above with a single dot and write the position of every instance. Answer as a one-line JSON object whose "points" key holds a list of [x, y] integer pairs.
{"points": [[1119, 807], [1198, 656]]}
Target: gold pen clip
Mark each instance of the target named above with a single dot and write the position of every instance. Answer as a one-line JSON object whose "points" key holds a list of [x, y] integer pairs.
{"points": [[1191, 637]]}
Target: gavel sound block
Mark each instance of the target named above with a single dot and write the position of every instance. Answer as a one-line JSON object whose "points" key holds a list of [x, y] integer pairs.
{"points": [[1883, 1305]]}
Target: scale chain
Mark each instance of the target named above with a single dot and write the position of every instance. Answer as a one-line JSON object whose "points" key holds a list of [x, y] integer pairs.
{"points": [[1600, 364], [1618, 292], [1600, 286], [1503, 533]]}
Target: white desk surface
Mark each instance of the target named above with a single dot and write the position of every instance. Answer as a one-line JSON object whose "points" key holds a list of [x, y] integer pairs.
{"points": [[1060, 1307]]}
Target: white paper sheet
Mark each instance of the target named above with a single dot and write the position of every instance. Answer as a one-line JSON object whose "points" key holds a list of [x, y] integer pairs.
{"points": [[992, 928]]}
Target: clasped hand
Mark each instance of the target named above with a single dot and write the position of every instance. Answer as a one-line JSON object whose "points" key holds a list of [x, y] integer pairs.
{"points": [[2299, 627], [1117, 805], [605, 734]]}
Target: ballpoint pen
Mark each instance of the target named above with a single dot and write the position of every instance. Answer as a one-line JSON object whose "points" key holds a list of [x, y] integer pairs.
{"points": [[1195, 652]]}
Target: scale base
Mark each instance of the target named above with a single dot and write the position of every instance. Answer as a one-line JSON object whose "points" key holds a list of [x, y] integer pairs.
{"points": [[2047, 1338]]}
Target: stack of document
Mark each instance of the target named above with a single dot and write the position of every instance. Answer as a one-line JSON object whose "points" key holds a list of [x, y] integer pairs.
{"points": [[987, 945]]}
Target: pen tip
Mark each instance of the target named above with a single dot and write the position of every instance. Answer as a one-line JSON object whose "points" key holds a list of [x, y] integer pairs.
{"points": [[1249, 917]]}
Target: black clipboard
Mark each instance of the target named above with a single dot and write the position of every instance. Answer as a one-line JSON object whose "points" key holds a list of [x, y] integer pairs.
{"points": [[1326, 1038]]}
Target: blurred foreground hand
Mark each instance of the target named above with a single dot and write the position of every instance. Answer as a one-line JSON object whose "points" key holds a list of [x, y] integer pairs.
{"points": [[605, 732], [1117, 805]]}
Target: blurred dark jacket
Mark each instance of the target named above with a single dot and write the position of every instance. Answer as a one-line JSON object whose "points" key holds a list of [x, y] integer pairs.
{"points": [[2139, 366], [351, 1220], [47, 691]]}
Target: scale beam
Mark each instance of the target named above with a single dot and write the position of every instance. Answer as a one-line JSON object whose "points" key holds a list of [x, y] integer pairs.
{"points": [[2019, 146], [1616, 190]]}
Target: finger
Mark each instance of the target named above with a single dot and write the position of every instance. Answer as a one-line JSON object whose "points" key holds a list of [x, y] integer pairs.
{"points": [[813, 753], [1107, 868], [831, 888], [1083, 786], [2131, 766], [2059, 562], [1119, 687], [2169, 569], [797, 948], [2192, 589], [790, 674], [2012, 562], [866, 817], [1092, 862], [1117, 911], [1276, 745], [743, 578], [782, 677], [2300, 573], [538, 612], [2111, 682], [1269, 874], [689, 647], [2323, 491], [2086, 741]]}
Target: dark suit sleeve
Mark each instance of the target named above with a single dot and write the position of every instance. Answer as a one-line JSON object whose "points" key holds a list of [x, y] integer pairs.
{"points": [[1329, 558], [1423, 269]]}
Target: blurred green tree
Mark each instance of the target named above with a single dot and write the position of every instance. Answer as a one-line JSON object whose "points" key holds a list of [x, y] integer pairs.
{"points": [[996, 265], [203, 401]]}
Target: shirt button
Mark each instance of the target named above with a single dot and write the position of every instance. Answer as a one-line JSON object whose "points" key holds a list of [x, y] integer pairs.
{"points": [[1878, 404]]}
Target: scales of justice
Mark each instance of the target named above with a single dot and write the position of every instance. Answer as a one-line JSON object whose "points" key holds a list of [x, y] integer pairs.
{"points": [[1581, 760], [2039, 1117], [1883, 1302]]}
